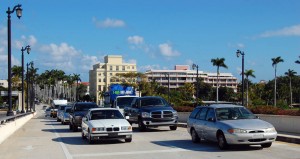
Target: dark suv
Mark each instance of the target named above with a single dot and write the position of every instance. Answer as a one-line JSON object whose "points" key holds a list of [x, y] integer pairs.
{"points": [[151, 111], [79, 110]]}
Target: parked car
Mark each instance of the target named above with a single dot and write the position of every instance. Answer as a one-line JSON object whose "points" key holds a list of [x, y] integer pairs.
{"points": [[229, 125], [48, 111], [60, 110], [66, 115], [151, 111], [105, 124], [79, 110]]}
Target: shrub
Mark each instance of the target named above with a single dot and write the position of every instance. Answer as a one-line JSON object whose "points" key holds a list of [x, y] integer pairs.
{"points": [[183, 108], [274, 110]]}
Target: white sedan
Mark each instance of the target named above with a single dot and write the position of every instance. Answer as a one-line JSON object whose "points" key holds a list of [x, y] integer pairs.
{"points": [[105, 124]]}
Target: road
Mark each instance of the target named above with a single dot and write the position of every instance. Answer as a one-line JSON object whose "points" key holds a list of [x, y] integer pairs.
{"points": [[45, 138]]}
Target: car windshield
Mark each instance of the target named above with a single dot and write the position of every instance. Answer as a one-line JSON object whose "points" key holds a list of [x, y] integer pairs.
{"points": [[85, 107], [145, 102], [234, 113], [67, 110], [124, 101], [106, 114], [62, 107]]}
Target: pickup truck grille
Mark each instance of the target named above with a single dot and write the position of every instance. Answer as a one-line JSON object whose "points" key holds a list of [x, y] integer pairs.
{"points": [[113, 129], [162, 114]]}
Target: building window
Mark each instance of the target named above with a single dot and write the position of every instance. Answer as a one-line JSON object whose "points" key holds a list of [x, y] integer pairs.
{"points": [[117, 68], [99, 80], [110, 68], [128, 67], [123, 68], [99, 74], [132, 67], [104, 80], [99, 88], [110, 74]]}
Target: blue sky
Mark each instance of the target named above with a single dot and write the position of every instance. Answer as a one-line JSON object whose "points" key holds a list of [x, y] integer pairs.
{"points": [[72, 35]]}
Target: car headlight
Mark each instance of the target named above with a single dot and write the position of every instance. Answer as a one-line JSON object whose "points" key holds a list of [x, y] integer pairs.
{"points": [[98, 129], [126, 128], [270, 130], [175, 113], [145, 115], [236, 131]]}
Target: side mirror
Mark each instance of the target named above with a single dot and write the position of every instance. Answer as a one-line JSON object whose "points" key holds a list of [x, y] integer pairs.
{"points": [[211, 119], [126, 117]]}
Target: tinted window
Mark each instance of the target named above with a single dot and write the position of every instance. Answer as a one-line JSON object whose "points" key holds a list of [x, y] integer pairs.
{"points": [[194, 113], [62, 107], [106, 114], [210, 114], [84, 107], [202, 114], [124, 102], [234, 113], [153, 102]]}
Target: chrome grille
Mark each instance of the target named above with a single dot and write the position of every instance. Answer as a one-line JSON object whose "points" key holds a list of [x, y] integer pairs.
{"points": [[256, 131], [161, 114], [113, 129]]}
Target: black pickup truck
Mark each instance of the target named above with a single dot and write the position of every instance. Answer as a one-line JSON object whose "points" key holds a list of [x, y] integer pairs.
{"points": [[151, 111], [78, 111]]}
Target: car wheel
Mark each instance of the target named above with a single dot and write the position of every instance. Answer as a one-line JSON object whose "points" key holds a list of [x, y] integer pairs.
{"points": [[91, 141], [173, 127], [128, 140], [75, 128], [266, 145], [70, 126], [195, 137], [141, 125], [222, 141]]}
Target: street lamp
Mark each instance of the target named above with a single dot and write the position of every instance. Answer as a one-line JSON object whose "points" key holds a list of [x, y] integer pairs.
{"points": [[27, 48], [139, 80], [32, 96], [238, 53], [168, 85], [27, 81], [18, 10], [196, 66]]}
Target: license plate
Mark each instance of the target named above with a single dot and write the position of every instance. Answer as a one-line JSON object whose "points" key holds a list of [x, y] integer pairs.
{"points": [[113, 134], [258, 136]]}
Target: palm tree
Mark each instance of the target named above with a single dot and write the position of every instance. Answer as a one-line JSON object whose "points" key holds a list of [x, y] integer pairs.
{"points": [[290, 73], [248, 73], [298, 61], [76, 77], [275, 61], [219, 63]]}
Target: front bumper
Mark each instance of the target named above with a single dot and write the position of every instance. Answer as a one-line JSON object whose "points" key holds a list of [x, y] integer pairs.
{"points": [[111, 135], [160, 122], [250, 139]]}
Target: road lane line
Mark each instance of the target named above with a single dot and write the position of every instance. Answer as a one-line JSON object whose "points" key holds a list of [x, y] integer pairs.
{"points": [[63, 146]]}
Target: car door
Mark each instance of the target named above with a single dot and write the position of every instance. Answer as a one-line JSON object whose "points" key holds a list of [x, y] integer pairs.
{"points": [[84, 123], [210, 125], [199, 122]]}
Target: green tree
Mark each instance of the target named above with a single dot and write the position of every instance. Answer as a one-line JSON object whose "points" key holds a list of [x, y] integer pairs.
{"points": [[248, 73], [219, 63], [275, 61], [290, 74], [298, 61], [76, 77]]}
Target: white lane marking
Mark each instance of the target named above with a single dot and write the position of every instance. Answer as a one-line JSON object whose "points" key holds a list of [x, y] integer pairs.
{"points": [[63, 146]]}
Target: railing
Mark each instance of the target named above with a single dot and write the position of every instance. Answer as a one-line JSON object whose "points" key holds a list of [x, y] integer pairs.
{"points": [[6, 119]]}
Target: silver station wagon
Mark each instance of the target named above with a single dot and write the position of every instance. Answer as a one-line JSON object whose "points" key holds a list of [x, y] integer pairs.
{"points": [[229, 125]]}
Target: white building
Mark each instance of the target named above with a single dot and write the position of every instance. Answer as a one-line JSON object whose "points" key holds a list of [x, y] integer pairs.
{"points": [[182, 74], [4, 83]]}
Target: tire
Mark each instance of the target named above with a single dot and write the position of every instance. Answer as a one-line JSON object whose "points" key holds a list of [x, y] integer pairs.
{"points": [[128, 140], [70, 126], [266, 145], [174, 127], [91, 141], [141, 125], [195, 137], [222, 143], [75, 128]]}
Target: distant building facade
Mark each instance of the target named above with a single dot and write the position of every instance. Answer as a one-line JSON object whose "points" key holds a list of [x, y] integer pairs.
{"points": [[103, 74], [182, 74], [4, 83]]}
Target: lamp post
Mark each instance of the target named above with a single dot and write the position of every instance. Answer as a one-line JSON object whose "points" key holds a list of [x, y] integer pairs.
{"points": [[197, 95], [27, 48], [27, 81], [32, 96], [139, 83], [18, 10], [168, 85], [238, 53]]}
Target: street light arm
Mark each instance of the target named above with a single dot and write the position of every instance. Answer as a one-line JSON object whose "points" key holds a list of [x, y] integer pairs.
{"points": [[15, 7], [26, 48]]}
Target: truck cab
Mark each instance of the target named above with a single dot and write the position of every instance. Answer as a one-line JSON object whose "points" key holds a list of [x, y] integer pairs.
{"points": [[123, 101], [151, 111]]}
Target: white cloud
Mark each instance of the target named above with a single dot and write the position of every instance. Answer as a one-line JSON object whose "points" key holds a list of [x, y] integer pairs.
{"points": [[3, 31], [236, 45], [189, 62], [286, 31], [60, 52], [109, 23], [167, 50], [88, 62], [24, 41], [148, 67], [135, 40]]}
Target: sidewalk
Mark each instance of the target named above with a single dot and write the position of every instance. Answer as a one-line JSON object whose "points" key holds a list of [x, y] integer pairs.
{"points": [[281, 136]]}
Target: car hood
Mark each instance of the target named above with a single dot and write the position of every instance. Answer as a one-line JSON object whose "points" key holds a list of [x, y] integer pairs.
{"points": [[247, 124], [109, 123], [156, 108]]}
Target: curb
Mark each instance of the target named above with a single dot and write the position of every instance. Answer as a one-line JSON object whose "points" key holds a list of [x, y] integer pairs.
{"points": [[280, 137]]}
